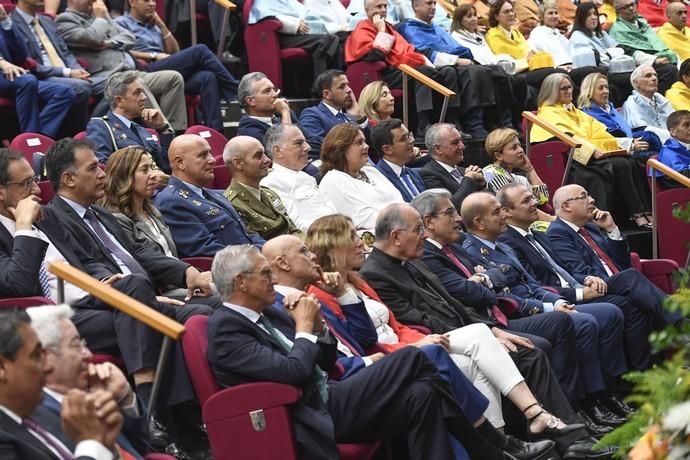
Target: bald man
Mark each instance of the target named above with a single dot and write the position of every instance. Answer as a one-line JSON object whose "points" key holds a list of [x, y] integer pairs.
{"points": [[202, 221], [674, 32], [260, 207]]}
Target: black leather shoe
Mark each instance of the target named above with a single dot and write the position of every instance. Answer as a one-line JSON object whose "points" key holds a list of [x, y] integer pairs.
{"points": [[158, 435], [602, 416], [618, 407], [583, 450], [177, 452], [522, 450], [593, 429]]}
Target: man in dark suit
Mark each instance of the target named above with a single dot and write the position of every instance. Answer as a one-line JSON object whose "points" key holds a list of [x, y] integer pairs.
{"points": [[41, 106], [126, 122], [338, 105], [258, 96], [68, 355], [24, 368], [445, 146], [202, 221], [603, 260], [393, 141], [249, 340], [56, 63]]}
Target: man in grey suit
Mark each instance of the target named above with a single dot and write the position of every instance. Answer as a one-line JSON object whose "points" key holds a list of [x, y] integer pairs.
{"points": [[93, 36]]}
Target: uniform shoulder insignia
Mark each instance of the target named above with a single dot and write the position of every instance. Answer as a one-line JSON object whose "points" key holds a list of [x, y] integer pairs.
{"points": [[484, 251], [196, 202], [184, 194]]}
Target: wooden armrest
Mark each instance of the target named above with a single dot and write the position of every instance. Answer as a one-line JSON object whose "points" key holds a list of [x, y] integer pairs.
{"points": [[675, 175], [617, 153], [227, 4], [118, 300], [426, 81], [557, 133]]}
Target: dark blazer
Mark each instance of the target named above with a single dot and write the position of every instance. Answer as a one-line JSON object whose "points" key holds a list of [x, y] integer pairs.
{"points": [[316, 121], [12, 47], [201, 226], [411, 303], [139, 232], [257, 129], [161, 269], [529, 293], [16, 443], [535, 263], [110, 134], [394, 179], [239, 351], [581, 260], [47, 414], [436, 177], [25, 34]]}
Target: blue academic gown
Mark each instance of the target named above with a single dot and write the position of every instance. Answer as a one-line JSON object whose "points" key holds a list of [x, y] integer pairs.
{"points": [[674, 155], [432, 37]]}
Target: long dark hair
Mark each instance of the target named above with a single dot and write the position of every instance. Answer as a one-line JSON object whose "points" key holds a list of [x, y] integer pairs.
{"points": [[581, 14]]}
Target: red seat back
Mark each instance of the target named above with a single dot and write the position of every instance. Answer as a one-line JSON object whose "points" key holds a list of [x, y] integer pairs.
{"points": [[549, 160], [215, 139], [194, 346], [24, 302], [673, 233], [80, 136], [30, 143], [221, 177]]}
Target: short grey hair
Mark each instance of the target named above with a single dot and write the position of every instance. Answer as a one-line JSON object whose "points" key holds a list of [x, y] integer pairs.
{"points": [[550, 88], [389, 218], [232, 150], [426, 203], [274, 136], [117, 85], [245, 87], [230, 262], [434, 135], [46, 319], [637, 74]]}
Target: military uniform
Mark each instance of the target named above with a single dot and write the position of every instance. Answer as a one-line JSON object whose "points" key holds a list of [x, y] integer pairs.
{"points": [[267, 216]]}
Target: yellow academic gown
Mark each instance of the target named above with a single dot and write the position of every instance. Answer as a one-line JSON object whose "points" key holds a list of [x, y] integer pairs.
{"points": [[679, 96], [515, 46], [678, 41], [588, 131]]}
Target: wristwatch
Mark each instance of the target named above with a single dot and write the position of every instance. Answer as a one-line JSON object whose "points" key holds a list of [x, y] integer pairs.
{"points": [[153, 56]]}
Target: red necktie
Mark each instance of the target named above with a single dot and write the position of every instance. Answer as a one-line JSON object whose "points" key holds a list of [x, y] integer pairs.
{"points": [[600, 252], [498, 314]]}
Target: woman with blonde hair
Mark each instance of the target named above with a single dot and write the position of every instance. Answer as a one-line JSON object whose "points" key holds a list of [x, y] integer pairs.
{"points": [[377, 102]]}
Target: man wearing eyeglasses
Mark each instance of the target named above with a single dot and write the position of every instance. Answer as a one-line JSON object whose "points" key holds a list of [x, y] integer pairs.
{"points": [[634, 34], [591, 246]]}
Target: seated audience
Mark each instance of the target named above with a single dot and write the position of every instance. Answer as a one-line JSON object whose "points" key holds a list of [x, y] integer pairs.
{"points": [[674, 33], [333, 15], [94, 37], [339, 248], [202, 221], [653, 11], [377, 102], [395, 143], [250, 340], [202, 71], [607, 13], [126, 122], [66, 352], [646, 108], [589, 42], [481, 9], [260, 207], [300, 28], [297, 190], [41, 106], [615, 180], [675, 152], [445, 146], [25, 366], [504, 38], [679, 94], [357, 189], [375, 40], [633, 33], [263, 108], [338, 105]]}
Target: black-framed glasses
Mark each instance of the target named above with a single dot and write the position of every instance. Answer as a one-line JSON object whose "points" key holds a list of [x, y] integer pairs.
{"points": [[582, 196], [26, 184]]}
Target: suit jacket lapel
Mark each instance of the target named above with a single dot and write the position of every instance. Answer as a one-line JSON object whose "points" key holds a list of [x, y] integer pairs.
{"points": [[22, 435]]}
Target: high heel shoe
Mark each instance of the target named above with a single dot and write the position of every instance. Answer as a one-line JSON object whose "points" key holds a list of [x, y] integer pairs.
{"points": [[563, 436]]}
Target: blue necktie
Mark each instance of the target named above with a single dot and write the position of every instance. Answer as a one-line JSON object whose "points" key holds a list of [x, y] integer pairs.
{"points": [[111, 245], [407, 179], [557, 268]]}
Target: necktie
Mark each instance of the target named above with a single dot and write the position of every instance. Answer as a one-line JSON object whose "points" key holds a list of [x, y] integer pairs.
{"points": [[48, 440], [124, 455], [498, 314], [407, 179], [341, 117], [600, 252], [50, 50], [319, 376], [456, 174], [557, 268], [113, 247]]}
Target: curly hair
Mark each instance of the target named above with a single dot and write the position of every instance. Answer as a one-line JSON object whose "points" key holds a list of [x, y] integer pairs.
{"points": [[335, 145], [119, 182]]}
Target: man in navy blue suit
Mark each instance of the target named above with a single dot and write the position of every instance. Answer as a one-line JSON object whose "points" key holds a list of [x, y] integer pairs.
{"points": [[394, 142], [28, 93], [593, 250], [338, 105]]}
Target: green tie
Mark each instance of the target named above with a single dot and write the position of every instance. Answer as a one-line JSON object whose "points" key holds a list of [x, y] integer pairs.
{"points": [[320, 377]]}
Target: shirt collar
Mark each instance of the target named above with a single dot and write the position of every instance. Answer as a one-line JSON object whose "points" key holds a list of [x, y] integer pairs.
{"points": [[488, 243], [434, 242], [54, 394], [285, 290], [250, 314], [25, 16], [11, 414], [267, 120], [445, 166], [79, 209], [283, 170], [194, 188], [9, 224], [687, 146], [521, 231], [126, 121], [396, 169], [570, 224], [133, 19], [332, 109]]}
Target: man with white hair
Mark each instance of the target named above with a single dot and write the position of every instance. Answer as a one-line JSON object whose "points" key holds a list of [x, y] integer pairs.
{"points": [[646, 108], [68, 354]]}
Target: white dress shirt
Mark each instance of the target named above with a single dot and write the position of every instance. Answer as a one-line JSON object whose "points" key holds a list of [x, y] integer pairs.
{"points": [[551, 40], [300, 195], [359, 200]]}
